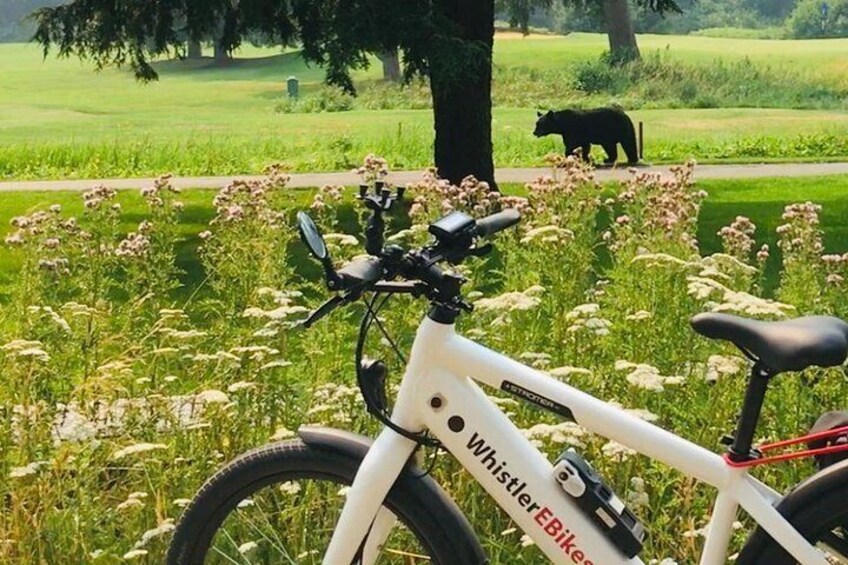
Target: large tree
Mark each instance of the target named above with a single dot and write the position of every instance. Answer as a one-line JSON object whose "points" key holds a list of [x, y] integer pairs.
{"points": [[450, 41], [615, 14]]}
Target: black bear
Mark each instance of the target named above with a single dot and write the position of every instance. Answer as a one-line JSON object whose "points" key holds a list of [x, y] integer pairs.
{"points": [[606, 127]]}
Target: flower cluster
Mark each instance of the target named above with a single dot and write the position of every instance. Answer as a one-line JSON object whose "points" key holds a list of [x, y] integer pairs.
{"points": [[136, 245], [435, 197], [585, 318], [153, 195], [738, 238], [727, 300], [98, 196], [658, 210], [800, 236], [373, 168], [646, 376]]}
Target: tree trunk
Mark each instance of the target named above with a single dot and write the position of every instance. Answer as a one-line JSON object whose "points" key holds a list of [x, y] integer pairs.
{"points": [[391, 65], [461, 85], [195, 50], [222, 57], [622, 38]]}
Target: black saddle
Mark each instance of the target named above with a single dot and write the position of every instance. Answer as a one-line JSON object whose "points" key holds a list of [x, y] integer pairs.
{"points": [[791, 345]]}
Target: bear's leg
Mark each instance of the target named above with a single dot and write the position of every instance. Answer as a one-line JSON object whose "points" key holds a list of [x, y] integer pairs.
{"points": [[586, 149], [612, 152], [629, 145]]}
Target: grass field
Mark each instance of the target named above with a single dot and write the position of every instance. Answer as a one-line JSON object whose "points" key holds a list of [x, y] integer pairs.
{"points": [[60, 119]]}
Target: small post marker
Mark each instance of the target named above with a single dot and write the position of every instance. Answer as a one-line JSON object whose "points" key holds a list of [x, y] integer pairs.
{"points": [[641, 141], [292, 86]]}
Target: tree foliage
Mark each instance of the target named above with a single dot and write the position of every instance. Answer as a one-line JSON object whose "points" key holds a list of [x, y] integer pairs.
{"points": [[808, 20], [519, 12], [334, 33]]}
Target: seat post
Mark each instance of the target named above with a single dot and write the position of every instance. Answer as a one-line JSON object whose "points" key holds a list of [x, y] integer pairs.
{"points": [[740, 449]]}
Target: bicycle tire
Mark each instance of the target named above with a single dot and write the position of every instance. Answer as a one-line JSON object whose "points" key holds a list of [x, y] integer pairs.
{"points": [[293, 460], [818, 509]]}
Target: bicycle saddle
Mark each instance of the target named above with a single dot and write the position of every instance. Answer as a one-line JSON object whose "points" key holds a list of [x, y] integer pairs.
{"points": [[790, 345]]}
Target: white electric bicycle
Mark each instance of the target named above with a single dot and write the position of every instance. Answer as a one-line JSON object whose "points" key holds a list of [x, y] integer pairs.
{"points": [[334, 497]]}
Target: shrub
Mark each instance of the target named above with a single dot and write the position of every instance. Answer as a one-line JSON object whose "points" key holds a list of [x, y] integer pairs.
{"points": [[807, 20]]}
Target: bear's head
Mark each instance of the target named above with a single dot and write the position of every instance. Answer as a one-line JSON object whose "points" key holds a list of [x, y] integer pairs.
{"points": [[545, 124]]}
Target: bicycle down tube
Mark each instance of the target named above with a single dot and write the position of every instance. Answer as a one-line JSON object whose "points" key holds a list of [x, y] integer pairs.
{"points": [[520, 478]]}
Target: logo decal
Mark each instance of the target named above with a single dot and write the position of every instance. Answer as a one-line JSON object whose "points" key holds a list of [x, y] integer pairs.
{"points": [[554, 527], [538, 400]]}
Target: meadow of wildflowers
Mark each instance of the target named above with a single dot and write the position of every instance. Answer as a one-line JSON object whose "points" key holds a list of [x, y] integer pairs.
{"points": [[121, 396]]}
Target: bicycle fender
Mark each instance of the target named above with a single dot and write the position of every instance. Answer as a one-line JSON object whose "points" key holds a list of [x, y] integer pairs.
{"points": [[804, 493], [427, 492]]}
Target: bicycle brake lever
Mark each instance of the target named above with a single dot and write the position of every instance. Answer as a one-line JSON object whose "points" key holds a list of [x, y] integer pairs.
{"points": [[481, 250], [323, 310]]}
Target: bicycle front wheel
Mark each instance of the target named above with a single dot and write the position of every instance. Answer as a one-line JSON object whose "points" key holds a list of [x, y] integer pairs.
{"points": [[280, 504]]}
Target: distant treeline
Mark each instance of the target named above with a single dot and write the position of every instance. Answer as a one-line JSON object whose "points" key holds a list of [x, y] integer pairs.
{"points": [[799, 19], [783, 18]]}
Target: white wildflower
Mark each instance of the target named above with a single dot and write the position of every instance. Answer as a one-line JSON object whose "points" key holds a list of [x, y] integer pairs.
{"points": [[548, 234], [744, 303], [718, 365], [290, 487], [527, 541], [132, 554], [281, 434], [616, 451], [567, 370], [508, 301], [275, 364], [212, 396], [137, 448], [247, 547], [658, 259], [26, 470], [240, 386], [583, 311], [341, 239], [567, 433], [639, 316], [163, 528], [646, 377]]}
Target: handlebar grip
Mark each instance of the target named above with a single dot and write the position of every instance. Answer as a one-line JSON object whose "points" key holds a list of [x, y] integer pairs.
{"points": [[497, 222], [361, 272]]}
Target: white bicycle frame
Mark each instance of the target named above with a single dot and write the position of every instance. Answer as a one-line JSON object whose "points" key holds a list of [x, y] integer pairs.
{"points": [[520, 479]]}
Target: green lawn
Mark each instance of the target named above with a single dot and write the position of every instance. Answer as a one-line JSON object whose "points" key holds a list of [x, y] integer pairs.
{"points": [[58, 118], [826, 57]]}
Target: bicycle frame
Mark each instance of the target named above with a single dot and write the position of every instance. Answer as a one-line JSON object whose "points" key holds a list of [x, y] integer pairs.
{"points": [[444, 366]]}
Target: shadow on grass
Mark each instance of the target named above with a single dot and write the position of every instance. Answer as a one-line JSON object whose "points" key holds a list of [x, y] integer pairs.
{"points": [[270, 68]]}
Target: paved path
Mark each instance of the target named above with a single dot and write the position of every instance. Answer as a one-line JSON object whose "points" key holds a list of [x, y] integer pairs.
{"points": [[402, 177]]}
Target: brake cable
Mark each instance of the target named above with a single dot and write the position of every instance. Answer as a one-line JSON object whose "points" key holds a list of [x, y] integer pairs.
{"points": [[420, 438]]}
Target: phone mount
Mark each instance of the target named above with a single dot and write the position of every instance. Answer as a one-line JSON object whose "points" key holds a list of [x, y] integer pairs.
{"points": [[314, 240], [379, 201]]}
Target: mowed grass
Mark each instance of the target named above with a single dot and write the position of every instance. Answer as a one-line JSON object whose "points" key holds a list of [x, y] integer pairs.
{"points": [[761, 199], [58, 118], [825, 57]]}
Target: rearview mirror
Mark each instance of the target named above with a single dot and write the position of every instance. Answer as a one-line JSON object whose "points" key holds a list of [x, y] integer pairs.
{"points": [[311, 236]]}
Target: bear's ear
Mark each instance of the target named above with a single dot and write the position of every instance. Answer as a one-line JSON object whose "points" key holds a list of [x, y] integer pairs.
{"points": [[550, 113], [538, 114]]}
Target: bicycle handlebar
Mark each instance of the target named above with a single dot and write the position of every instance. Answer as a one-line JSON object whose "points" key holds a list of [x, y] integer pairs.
{"points": [[417, 272], [494, 223], [361, 272]]}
